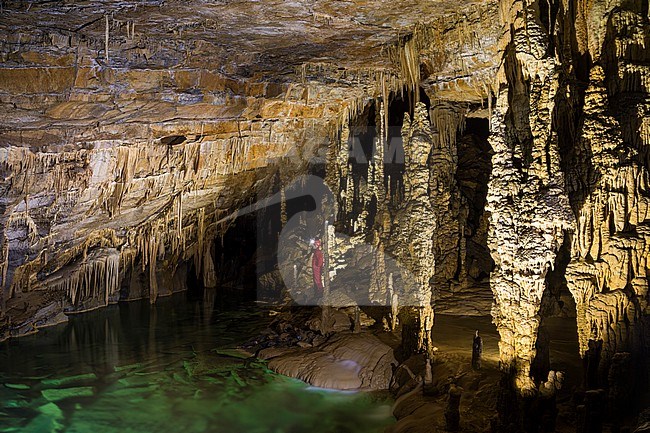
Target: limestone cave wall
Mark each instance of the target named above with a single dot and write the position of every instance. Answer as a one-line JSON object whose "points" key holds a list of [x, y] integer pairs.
{"points": [[568, 134]]}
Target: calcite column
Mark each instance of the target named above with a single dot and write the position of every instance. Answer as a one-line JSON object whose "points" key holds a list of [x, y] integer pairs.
{"points": [[529, 209], [378, 292], [413, 230]]}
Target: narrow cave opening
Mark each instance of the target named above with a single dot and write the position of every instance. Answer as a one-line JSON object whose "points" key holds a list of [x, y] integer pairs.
{"points": [[235, 254], [472, 176]]}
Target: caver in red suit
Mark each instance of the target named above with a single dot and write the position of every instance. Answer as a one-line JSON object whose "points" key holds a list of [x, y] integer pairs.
{"points": [[317, 267]]}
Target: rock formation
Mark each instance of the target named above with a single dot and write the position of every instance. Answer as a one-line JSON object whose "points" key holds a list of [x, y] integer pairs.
{"points": [[413, 231], [607, 274], [129, 130], [568, 162], [529, 209]]}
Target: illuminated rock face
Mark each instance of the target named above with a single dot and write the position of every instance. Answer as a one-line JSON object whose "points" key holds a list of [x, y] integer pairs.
{"points": [[529, 208], [570, 141], [127, 132], [608, 271], [527, 220], [413, 232], [603, 273]]}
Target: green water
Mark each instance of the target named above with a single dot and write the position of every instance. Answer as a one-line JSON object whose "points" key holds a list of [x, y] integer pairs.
{"points": [[133, 368]]}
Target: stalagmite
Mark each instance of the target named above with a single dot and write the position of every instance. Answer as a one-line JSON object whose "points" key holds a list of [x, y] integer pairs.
{"points": [[413, 228], [452, 411], [526, 198], [394, 303]]}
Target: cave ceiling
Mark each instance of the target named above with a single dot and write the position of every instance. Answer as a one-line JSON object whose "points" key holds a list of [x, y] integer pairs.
{"points": [[187, 60]]}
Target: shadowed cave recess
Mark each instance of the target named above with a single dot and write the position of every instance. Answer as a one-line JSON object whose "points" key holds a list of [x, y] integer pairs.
{"points": [[397, 216]]}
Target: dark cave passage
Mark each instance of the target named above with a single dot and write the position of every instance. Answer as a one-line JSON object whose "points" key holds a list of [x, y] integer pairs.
{"points": [[236, 252], [473, 173]]}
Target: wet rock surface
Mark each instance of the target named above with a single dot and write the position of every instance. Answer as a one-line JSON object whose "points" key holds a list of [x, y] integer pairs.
{"points": [[345, 361], [340, 359]]}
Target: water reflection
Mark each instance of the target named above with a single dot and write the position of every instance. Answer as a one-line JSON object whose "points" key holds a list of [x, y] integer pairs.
{"points": [[168, 367]]}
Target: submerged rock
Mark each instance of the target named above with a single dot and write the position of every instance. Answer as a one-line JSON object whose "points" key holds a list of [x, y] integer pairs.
{"points": [[57, 394], [18, 386]]}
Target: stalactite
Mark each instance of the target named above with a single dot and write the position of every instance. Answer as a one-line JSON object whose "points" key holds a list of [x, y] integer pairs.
{"points": [[5, 262], [94, 279], [179, 216], [23, 219], [199, 259], [378, 158], [57, 172], [107, 39], [153, 258], [449, 121], [283, 206], [348, 203], [337, 157]]}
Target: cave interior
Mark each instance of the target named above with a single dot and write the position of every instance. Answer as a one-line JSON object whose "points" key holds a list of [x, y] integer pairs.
{"points": [[333, 216]]}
